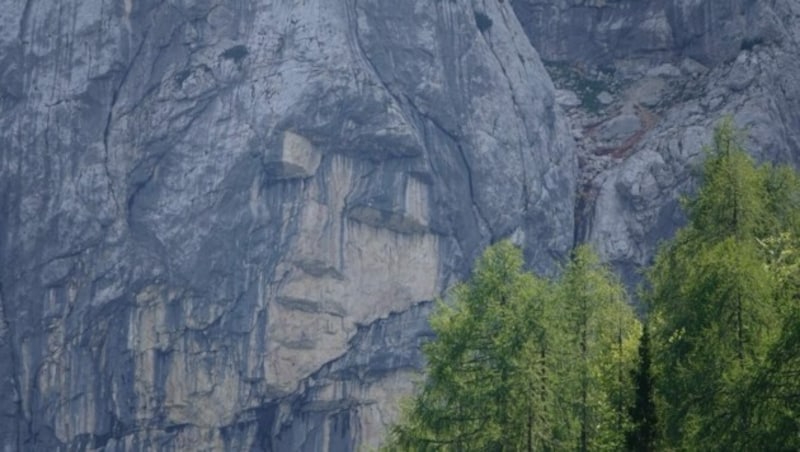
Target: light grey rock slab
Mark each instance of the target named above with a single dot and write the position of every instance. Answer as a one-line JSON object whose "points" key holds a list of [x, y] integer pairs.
{"points": [[619, 128], [567, 98], [605, 98]]}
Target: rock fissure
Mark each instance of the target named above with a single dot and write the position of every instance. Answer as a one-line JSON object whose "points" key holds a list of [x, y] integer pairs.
{"points": [[352, 19], [110, 117], [463, 157], [17, 398], [139, 186], [471, 185], [518, 111], [23, 22]]}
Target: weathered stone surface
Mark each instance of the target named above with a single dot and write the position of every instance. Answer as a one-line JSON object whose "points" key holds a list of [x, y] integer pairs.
{"points": [[220, 222], [600, 32], [208, 207], [296, 158], [567, 98], [738, 58], [353, 397]]}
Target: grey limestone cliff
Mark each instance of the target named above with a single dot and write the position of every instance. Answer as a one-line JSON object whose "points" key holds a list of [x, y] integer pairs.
{"points": [[220, 220], [644, 83]]}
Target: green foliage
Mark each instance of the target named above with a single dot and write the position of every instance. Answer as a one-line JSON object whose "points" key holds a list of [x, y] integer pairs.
{"points": [[586, 84], [482, 390], [717, 294], [601, 335], [501, 373], [643, 435], [731, 200], [521, 363], [775, 389]]}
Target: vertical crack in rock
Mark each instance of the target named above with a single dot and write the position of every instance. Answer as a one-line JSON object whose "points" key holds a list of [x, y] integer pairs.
{"points": [[110, 118], [12, 365], [352, 13], [106, 132], [369, 359], [355, 38], [23, 22], [517, 109], [464, 160], [471, 185]]}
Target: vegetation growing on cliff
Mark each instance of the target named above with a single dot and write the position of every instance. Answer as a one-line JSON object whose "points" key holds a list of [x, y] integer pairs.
{"points": [[523, 363]]}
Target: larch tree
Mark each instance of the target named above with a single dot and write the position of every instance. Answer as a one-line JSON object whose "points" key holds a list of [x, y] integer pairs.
{"points": [[601, 334], [714, 300], [644, 433], [522, 364], [486, 385]]}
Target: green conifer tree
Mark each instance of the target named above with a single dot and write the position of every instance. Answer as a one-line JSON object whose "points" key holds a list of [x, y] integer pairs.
{"points": [[601, 333], [643, 436], [487, 383], [715, 303], [520, 364]]}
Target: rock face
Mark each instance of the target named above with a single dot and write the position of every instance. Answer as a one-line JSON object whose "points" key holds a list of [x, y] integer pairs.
{"points": [[651, 79], [220, 221], [605, 32]]}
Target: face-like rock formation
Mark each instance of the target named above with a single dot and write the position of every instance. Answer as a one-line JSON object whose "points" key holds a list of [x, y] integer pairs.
{"points": [[220, 222]]}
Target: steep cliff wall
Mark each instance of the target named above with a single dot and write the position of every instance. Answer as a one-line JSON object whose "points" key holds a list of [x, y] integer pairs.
{"points": [[222, 222], [598, 32], [209, 210], [644, 84]]}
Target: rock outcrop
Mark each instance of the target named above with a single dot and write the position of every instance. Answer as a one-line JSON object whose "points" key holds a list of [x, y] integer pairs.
{"points": [[644, 83], [220, 221], [614, 33]]}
